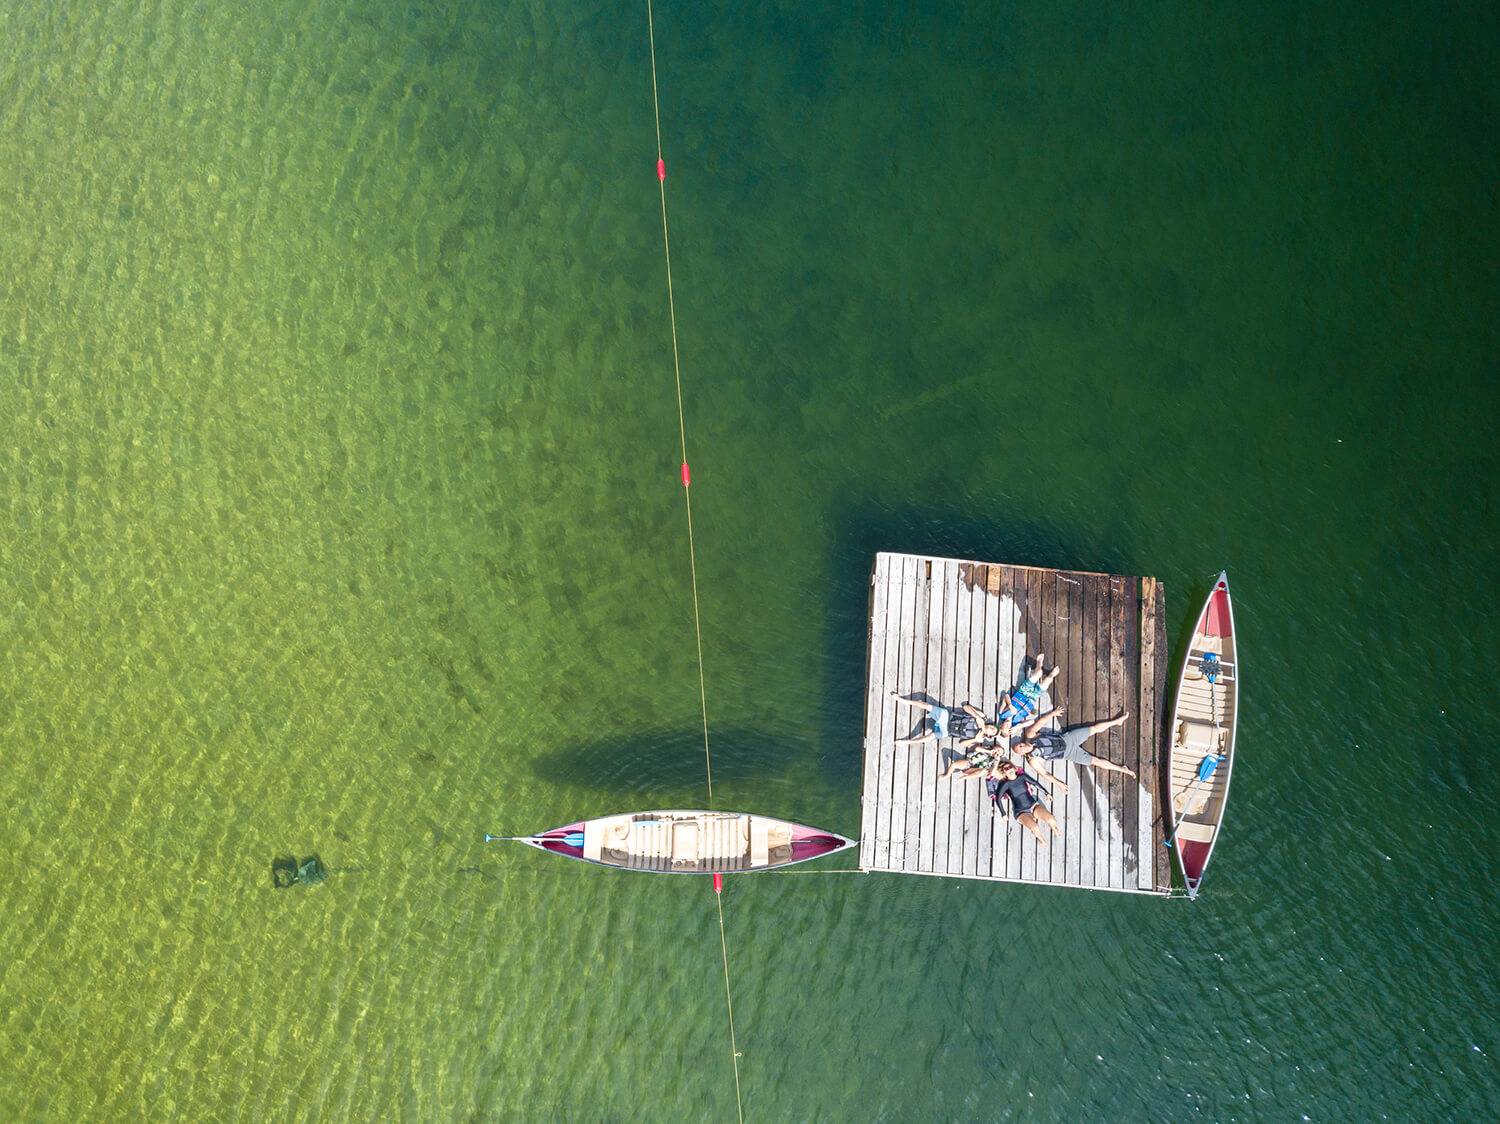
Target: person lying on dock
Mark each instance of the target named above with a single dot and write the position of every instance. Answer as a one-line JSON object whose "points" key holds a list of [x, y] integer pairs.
{"points": [[977, 760], [966, 724], [1025, 794], [1022, 703], [1039, 745]]}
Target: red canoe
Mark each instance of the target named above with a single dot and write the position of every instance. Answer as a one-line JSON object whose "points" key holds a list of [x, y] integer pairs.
{"points": [[1202, 746]]}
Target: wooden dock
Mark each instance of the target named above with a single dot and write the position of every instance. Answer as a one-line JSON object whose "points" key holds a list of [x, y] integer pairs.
{"points": [[952, 632]]}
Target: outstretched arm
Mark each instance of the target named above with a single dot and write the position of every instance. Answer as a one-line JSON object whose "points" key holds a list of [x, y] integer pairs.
{"points": [[1036, 761]]}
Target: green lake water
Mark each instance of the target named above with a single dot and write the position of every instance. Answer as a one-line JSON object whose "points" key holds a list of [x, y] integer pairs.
{"points": [[338, 454]]}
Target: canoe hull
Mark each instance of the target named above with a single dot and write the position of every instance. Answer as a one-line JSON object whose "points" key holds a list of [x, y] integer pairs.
{"points": [[1205, 714]]}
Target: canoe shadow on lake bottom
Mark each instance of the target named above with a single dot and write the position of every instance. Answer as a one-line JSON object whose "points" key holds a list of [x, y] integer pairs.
{"points": [[666, 766]]}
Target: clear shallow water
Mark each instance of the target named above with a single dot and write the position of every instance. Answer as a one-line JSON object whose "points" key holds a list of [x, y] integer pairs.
{"points": [[337, 455]]}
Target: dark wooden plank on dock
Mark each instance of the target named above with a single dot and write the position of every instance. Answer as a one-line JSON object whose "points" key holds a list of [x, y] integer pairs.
{"points": [[1146, 710], [1118, 596], [1163, 866], [1130, 735]]}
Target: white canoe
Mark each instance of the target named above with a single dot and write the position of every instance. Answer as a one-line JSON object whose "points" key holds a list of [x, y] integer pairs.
{"points": [[680, 842]]}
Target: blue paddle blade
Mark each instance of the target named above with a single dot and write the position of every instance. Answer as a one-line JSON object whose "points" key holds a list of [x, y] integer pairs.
{"points": [[572, 839], [1207, 766]]}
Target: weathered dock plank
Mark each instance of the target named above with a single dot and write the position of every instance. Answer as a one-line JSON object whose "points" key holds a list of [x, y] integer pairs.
{"points": [[1130, 734], [942, 790], [1007, 637], [1090, 781], [959, 825], [874, 712], [1021, 640], [1157, 740]]}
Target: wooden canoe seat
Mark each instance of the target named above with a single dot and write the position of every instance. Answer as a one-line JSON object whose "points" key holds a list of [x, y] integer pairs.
{"points": [[739, 840], [1195, 832], [779, 839], [593, 839], [685, 846], [1199, 735], [760, 844]]}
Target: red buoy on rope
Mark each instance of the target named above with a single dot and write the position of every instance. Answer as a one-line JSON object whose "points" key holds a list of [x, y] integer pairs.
{"points": [[718, 883], [661, 168], [687, 477]]}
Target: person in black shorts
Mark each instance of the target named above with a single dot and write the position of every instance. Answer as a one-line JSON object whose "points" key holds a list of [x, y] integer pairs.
{"points": [[1041, 746], [1025, 794]]}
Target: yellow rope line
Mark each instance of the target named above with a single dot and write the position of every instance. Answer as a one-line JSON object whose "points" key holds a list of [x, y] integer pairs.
{"points": [[734, 1050], [687, 498]]}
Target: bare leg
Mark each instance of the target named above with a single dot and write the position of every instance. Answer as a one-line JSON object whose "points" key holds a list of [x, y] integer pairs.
{"points": [[1100, 727], [918, 703], [1109, 766], [954, 766], [1046, 816], [1039, 721], [916, 739], [1049, 677], [1028, 821]]}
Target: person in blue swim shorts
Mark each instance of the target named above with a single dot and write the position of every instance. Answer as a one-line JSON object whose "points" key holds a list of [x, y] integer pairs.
{"points": [[1021, 705], [967, 724]]}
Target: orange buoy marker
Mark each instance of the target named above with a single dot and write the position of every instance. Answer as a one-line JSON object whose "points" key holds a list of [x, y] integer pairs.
{"points": [[661, 169], [687, 477]]}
